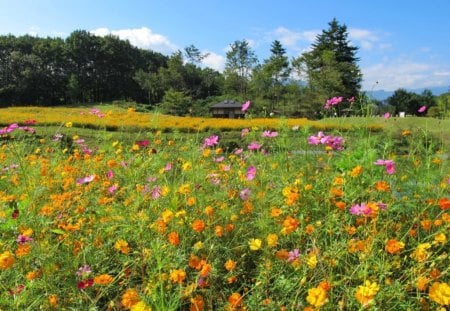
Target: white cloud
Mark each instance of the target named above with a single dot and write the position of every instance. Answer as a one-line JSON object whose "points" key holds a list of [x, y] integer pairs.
{"points": [[366, 39], [393, 75], [292, 38], [214, 61], [141, 37]]}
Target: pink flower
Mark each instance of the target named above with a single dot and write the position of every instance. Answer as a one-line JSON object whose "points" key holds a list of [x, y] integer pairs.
{"points": [[389, 164], [387, 115], [86, 179], [254, 146], [113, 189], [211, 141], [143, 143], [168, 167], [422, 109], [293, 255], [156, 192], [269, 134], [245, 106], [251, 173], [360, 209], [333, 102], [110, 174], [22, 239], [244, 194]]}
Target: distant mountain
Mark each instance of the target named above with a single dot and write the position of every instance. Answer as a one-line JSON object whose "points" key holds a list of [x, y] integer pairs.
{"points": [[382, 94]]}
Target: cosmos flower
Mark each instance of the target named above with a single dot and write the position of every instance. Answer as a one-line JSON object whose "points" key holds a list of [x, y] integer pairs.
{"points": [[245, 106], [422, 109], [86, 179]]}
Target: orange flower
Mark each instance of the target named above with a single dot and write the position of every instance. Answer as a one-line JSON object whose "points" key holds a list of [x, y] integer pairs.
{"points": [[53, 300], [206, 269], [356, 171], [394, 247], [309, 229], [290, 224], [426, 224], [235, 299], [122, 246], [23, 250], [218, 231], [130, 298], [422, 283], [230, 265], [340, 205], [275, 212], [198, 225], [282, 254], [197, 303], [337, 192], [272, 240], [444, 203], [33, 275], [173, 238], [177, 276], [103, 279], [6, 260], [195, 262], [382, 186]]}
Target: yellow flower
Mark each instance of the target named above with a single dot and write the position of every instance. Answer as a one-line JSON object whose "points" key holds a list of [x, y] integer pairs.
{"points": [[122, 246], [177, 276], [140, 306], [255, 244], [68, 124], [440, 293], [440, 238], [311, 261], [317, 296], [421, 252], [272, 240], [366, 293], [6, 260]]}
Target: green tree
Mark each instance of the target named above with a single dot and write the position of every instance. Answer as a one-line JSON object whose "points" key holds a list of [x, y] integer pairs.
{"points": [[331, 66], [176, 103], [193, 55], [240, 61], [277, 69]]}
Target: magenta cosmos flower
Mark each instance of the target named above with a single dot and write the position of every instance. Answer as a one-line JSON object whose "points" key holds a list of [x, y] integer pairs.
{"points": [[245, 106], [422, 109]]}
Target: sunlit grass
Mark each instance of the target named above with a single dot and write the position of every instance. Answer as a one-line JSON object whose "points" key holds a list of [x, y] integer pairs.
{"points": [[121, 210]]}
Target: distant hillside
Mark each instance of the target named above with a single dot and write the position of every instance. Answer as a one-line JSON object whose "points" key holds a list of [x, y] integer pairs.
{"points": [[382, 94]]}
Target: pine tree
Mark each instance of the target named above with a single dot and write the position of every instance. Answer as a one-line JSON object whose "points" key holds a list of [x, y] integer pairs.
{"points": [[331, 65]]}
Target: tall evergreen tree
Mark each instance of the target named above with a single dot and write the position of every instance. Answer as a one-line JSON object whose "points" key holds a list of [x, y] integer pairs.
{"points": [[331, 65]]}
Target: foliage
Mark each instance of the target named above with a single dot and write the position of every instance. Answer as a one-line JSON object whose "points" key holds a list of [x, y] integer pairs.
{"points": [[286, 218]]}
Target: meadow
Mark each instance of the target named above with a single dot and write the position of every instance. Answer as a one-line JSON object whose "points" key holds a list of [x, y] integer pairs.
{"points": [[113, 209]]}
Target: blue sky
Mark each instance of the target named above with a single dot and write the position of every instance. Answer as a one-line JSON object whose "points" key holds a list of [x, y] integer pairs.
{"points": [[402, 44]]}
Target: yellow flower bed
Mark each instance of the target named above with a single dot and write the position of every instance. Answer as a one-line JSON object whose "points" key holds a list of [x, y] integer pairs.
{"points": [[121, 119]]}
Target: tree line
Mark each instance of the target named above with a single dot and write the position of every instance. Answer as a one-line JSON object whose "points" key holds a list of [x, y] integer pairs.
{"points": [[85, 68]]}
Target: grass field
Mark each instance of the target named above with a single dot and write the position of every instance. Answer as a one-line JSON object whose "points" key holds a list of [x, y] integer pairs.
{"points": [[113, 209]]}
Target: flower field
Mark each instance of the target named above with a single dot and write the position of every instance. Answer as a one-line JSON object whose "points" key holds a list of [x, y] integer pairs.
{"points": [[295, 217]]}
